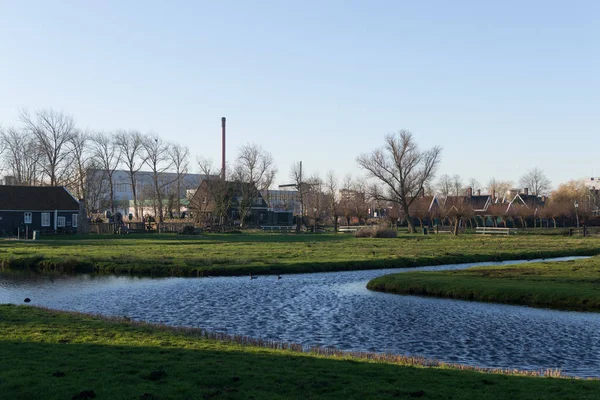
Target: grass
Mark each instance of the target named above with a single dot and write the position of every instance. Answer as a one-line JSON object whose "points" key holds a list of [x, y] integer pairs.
{"points": [[214, 254], [565, 285], [59, 355]]}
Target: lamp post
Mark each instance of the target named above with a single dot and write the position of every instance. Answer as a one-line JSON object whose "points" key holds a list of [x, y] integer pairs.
{"points": [[576, 214]]}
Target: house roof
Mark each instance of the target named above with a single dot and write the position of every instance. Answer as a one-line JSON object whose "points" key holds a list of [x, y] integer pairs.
{"points": [[530, 201], [36, 198], [480, 202]]}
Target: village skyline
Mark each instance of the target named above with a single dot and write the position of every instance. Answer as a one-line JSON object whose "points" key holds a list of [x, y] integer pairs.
{"points": [[503, 90]]}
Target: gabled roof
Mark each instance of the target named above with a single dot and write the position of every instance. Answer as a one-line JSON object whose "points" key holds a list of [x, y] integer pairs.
{"points": [[36, 198], [480, 202], [528, 200], [425, 203]]}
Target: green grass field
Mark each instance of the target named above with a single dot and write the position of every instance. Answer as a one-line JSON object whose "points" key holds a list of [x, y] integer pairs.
{"points": [[215, 254], [568, 285], [58, 355]]}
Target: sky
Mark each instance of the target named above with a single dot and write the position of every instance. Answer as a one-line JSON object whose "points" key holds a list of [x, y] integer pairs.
{"points": [[502, 87]]}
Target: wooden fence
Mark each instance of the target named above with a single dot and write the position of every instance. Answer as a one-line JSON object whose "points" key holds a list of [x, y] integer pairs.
{"points": [[107, 228]]}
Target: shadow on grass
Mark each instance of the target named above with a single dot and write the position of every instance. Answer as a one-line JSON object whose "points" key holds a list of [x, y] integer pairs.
{"points": [[64, 370], [181, 240]]}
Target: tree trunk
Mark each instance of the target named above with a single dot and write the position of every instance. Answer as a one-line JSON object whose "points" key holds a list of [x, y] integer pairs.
{"points": [[554, 221], [134, 192], [411, 227], [455, 232], [335, 223]]}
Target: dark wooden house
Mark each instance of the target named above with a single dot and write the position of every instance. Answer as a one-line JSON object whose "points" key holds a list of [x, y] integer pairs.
{"points": [[24, 209], [214, 197]]}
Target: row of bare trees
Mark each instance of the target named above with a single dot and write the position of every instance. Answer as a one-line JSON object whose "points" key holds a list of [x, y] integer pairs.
{"points": [[534, 179], [48, 149]]}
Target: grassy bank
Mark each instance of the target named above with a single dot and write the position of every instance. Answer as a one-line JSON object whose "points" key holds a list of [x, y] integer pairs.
{"points": [[162, 255], [567, 285], [63, 355]]}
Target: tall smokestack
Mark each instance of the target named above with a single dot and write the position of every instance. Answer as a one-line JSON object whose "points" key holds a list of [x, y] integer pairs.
{"points": [[223, 128]]}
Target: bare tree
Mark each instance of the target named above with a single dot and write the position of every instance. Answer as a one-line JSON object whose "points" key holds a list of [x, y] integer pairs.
{"points": [[500, 188], [81, 164], [331, 187], [107, 155], [216, 196], [131, 144], [21, 157], [180, 158], [315, 200], [302, 188], [444, 186], [255, 171], [457, 185], [346, 198], [474, 184], [536, 181], [159, 162], [360, 200], [403, 168], [458, 209], [53, 131]]}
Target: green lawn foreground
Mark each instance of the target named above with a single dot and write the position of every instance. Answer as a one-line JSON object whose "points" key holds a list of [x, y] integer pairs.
{"points": [[58, 355], [565, 285], [222, 254]]}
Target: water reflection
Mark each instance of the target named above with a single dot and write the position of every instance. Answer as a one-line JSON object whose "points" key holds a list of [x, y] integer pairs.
{"points": [[333, 309]]}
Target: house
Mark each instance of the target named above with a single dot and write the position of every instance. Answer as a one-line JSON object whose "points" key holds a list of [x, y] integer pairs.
{"points": [[532, 202], [43, 208], [216, 198], [426, 209]]}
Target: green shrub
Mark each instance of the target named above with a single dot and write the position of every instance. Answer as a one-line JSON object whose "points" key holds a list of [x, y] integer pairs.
{"points": [[385, 233], [375, 232]]}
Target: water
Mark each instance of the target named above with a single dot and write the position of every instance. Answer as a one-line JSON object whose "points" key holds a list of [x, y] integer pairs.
{"points": [[334, 309]]}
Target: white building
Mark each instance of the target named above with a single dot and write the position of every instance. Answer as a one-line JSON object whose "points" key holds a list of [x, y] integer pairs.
{"points": [[123, 193], [591, 182]]}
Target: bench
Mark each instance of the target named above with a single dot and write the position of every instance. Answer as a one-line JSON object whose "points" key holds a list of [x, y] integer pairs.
{"points": [[272, 228], [446, 229], [484, 230], [350, 229]]}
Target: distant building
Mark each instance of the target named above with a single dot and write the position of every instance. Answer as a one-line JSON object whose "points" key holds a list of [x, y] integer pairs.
{"points": [[123, 192], [205, 208], [42, 208], [592, 183], [283, 200]]}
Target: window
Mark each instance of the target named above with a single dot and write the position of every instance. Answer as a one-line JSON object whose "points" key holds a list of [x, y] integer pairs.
{"points": [[74, 219], [45, 219], [61, 222], [27, 218]]}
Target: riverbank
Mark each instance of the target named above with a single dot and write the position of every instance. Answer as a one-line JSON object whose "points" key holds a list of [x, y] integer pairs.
{"points": [[64, 355], [243, 254], [564, 285]]}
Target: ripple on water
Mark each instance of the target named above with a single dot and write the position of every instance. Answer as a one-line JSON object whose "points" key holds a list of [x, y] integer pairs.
{"points": [[334, 309]]}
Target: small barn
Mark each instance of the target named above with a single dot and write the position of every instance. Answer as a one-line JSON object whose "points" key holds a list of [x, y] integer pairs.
{"points": [[41, 208]]}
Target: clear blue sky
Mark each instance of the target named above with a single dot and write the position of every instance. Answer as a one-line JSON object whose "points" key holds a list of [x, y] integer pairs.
{"points": [[501, 86]]}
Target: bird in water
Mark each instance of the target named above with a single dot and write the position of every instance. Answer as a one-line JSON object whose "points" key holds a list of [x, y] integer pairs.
{"points": [[253, 277], [278, 277]]}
